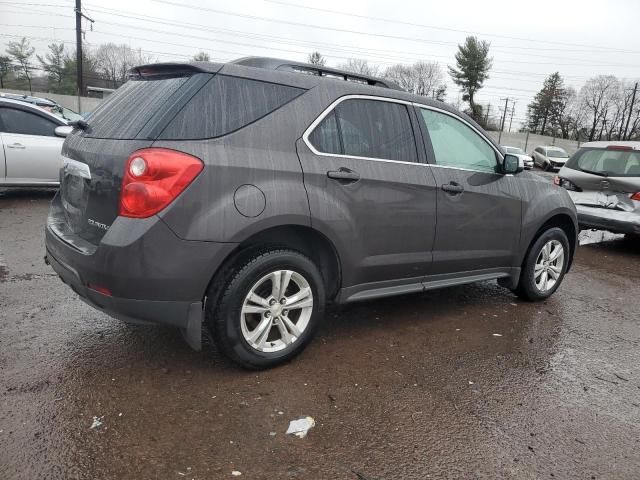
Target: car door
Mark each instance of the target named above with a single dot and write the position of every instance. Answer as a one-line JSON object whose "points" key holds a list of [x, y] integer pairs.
{"points": [[370, 193], [479, 209], [32, 150]]}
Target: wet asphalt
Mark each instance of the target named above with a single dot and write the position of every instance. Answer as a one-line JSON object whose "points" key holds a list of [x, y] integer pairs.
{"points": [[466, 382]]}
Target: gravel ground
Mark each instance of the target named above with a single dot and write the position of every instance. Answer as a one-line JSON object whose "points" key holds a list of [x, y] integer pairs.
{"points": [[465, 382]]}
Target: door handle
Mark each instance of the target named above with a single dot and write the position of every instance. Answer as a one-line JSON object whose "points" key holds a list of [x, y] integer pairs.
{"points": [[16, 145], [453, 188], [344, 175]]}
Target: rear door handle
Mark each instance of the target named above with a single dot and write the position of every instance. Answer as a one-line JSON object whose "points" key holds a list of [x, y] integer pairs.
{"points": [[16, 145], [345, 175], [453, 188]]}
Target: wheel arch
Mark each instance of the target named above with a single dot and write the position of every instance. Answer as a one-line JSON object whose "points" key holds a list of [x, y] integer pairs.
{"points": [[563, 221], [306, 240]]}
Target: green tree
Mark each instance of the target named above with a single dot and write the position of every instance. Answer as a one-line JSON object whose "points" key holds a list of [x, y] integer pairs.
{"points": [[202, 57], [22, 52], [53, 64], [545, 112], [5, 68], [316, 58], [473, 64]]}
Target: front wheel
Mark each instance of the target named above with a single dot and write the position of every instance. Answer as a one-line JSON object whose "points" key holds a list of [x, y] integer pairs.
{"points": [[269, 310], [544, 266]]}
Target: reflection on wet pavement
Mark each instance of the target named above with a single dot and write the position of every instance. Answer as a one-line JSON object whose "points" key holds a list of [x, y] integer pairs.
{"points": [[411, 387]]}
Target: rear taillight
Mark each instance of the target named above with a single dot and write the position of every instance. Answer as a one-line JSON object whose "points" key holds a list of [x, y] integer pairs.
{"points": [[564, 183], [636, 196], [153, 178]]}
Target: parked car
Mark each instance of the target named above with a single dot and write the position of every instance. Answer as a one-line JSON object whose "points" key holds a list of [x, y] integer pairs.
{"points": [[518, 152], [603, 179], [248, 195], [46, 103], [31, 139], [550, 157]]}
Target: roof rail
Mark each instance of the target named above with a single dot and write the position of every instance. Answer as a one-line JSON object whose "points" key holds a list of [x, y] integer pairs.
{"points": [[310, 69]]}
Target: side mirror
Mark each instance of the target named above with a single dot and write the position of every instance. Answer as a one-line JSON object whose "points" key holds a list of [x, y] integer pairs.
{"points": [[63, 130], [512, 164]]}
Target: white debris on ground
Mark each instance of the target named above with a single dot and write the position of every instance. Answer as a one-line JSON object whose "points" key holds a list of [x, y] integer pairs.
{"points": [[301, 427], [236, 473], [497, 334], [471, 383], [97, 422]]}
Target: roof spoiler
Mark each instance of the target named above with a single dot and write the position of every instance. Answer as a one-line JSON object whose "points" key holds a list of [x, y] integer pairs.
{"points": [[310, 69], [171, 69]]}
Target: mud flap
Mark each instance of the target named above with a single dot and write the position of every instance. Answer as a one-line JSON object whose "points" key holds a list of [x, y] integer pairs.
{"points": [[193, 332]]}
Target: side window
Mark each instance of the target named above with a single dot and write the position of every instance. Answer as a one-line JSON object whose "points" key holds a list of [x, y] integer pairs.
{"points": [[367, 128], [325, 137], [19, 121], [457, 145], [376, 129], [226, 104]]}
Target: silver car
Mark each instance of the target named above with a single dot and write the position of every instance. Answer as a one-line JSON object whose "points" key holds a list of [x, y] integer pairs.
{"points": [[31, 139], [603, 179], [518, 152], [549, 157]]}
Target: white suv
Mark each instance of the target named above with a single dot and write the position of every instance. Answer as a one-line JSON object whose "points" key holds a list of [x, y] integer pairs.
{"points": [[549, 157]]}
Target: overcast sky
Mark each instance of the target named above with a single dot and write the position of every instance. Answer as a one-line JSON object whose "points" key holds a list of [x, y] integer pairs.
{"points": [[529, 40]]}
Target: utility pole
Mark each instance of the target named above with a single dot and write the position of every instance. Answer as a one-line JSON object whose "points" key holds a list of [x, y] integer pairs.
{"points": [[513, 109], [79, 76], [633, 101], [504, 116]]}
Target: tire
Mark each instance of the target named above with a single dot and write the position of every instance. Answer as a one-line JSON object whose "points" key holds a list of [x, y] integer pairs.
{"points": [[238, 324], [528, 288]]}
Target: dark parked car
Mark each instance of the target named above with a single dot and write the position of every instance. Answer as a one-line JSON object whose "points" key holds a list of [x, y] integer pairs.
{"points": [[246, 195], [603, 179]]}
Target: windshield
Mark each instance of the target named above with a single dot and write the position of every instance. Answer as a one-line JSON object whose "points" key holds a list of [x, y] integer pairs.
{"points": [[613, 163], [65, 113], [515, 150], [557, 153]]}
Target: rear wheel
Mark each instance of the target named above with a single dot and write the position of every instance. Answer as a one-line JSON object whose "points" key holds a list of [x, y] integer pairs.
{"points": [[270, 309], [544, 266]]}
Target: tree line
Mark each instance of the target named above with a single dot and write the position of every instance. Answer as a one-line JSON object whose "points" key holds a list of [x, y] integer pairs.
{"points": [[605, 108]]}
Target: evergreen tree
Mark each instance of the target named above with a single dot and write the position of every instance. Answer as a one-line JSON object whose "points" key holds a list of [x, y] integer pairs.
{"points": [[545, 112], [473, 65]]}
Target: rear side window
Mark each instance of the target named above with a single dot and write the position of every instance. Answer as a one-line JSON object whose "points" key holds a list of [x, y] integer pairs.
{"points": [[26, 123], [130, 107], [226, 104], [367, 128]]}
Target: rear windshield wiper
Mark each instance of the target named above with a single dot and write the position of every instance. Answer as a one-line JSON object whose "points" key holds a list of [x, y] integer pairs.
{"points": [[80, 123]]}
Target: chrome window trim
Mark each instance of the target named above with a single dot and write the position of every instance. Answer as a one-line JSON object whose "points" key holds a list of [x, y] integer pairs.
{"points": [[335, 103], [330, 108]]}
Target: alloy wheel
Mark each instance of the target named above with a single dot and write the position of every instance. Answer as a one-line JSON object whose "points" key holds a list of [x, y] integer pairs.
{"points": [[276, 311], [548, 267]]}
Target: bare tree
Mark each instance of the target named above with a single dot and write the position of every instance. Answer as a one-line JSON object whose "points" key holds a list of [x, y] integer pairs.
{"points": [[316, 58], [22, 52], [115, 61], [421, 78], [597, 97], [361, 66], [202, 57]]}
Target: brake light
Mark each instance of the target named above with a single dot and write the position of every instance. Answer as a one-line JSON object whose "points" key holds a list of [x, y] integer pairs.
{"points": [[153, 178], [636, 196], [619, 147], [100, 289]]}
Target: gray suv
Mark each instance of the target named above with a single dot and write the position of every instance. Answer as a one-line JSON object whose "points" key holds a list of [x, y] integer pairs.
{"points": [[247, 195]]}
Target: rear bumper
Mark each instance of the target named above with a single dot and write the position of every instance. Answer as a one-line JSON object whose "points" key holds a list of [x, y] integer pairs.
{"points": [[616, 221], [153, 276]]}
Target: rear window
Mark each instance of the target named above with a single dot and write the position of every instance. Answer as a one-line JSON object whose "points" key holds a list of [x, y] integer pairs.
{"points": [[129, 108], [226, 104], [608, 163]]}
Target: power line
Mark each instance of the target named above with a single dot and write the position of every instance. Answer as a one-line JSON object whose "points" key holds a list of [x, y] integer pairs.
{"points": [[437, 28]]}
